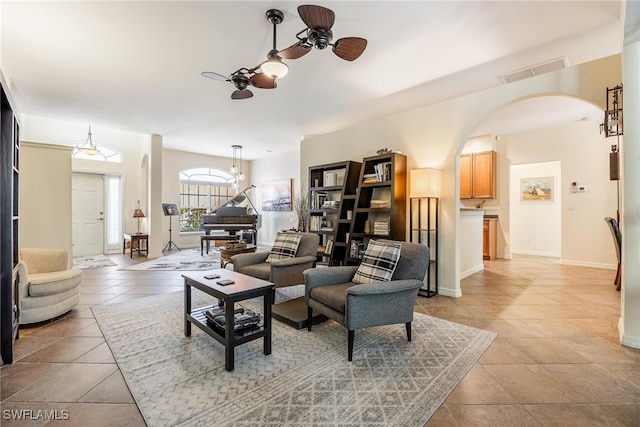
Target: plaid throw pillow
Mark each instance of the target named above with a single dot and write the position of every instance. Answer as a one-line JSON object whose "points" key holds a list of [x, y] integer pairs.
{"points": [[379, 262], [285, 246]]}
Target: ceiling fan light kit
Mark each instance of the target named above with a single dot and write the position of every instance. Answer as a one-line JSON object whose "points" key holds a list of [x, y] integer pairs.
{"points": [[317, 34]]}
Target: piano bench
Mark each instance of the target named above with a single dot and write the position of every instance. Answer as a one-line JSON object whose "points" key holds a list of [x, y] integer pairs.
{"points": [[208, 238]]}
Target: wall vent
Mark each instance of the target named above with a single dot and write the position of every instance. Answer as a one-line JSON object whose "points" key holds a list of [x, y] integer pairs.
{"points": [[535, 70]]}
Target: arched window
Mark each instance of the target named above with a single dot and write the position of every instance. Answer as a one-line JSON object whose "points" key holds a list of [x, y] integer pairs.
{"points": [[106, 154], [201, 191]]}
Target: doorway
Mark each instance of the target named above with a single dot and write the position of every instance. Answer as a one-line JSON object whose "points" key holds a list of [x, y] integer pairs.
{"points": [[536, 222], [87, 214]]}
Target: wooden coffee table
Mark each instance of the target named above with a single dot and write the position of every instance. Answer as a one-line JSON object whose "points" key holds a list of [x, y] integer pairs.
{"points": [[244, 288], [226, 254]]}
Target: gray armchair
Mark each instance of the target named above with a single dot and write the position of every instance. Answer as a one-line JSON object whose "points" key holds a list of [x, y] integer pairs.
{"points": [[331, 292], [283, 272]]}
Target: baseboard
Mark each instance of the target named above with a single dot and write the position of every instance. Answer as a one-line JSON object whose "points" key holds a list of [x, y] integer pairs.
{"points": [[589, 264], [633, 342], [471, 271], [446, 292], [536, 253]]}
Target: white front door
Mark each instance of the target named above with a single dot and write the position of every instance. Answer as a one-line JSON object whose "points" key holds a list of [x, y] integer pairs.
{"points": [[87, 213]]}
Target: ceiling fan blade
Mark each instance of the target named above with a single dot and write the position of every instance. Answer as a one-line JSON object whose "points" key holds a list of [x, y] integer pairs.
{"points": [[295, 51], [316, 16], [350, 48], [262, 81], [241, 94], [215, 76]]}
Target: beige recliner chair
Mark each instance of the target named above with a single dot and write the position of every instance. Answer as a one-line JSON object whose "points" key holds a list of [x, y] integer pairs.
{"points": [[49, 286]]}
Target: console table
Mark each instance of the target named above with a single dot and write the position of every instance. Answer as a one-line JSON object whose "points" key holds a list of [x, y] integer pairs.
{"points": [[135, 241], [244, 288]]}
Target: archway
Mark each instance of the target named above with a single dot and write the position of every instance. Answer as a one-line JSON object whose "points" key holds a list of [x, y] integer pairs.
{"points": [[552, 128]]}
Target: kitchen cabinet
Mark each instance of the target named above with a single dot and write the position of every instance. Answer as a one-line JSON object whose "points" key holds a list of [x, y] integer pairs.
{"points": [[478, 175], [489, 237]]}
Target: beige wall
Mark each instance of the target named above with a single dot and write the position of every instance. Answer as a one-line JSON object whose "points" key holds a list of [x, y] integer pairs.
{"points": [[176, 161], [45, 196], [434, 135], [584, 157], [133, 147], [276, 167]]}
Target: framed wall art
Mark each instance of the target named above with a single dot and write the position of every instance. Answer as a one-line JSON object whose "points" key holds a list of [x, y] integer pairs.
{"points": [[538, 189], [277, 195]]}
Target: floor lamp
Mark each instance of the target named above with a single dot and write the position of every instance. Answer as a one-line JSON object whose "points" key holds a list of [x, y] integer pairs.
{"points": [[170, 210]]}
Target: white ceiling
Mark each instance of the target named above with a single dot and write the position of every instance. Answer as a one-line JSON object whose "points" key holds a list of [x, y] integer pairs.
{"points": [[135, 66]]}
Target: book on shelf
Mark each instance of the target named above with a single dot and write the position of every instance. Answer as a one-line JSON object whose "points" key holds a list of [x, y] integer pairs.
{"points": [[330, 204], [356, 250], [329, 247], [318, 198], [382, 171], [380, 203], [369, 178]]}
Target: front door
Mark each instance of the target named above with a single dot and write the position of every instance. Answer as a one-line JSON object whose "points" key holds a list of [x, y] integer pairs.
{"points": [[87, 214]]}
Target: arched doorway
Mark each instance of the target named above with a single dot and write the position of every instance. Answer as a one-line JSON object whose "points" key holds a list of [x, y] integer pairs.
{"points": [[529, 134]]}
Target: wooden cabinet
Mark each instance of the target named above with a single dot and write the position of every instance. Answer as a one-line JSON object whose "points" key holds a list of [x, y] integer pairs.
{"points": [[332, 198], [381, 203], [478, 175], [489, 238], [9, 228]]}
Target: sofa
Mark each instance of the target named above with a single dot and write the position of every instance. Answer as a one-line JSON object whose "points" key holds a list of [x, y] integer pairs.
{"points": [[48, 285]]}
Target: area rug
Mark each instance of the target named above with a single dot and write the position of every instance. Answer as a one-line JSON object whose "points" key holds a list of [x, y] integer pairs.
{"points": [[92, 261], [306, 381], [186, 259]]}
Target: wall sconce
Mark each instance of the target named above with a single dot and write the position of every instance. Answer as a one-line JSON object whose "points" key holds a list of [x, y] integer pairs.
{"points": [[137, 213], [613, 123], [424, 183]]}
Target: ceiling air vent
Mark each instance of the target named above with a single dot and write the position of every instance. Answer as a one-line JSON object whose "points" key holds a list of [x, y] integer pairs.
{"points": [[535, 70]]}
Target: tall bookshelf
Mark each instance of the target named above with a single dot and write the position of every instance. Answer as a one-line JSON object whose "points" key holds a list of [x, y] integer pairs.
{"points": [[332, 197], [381, 203], [9, 226]]}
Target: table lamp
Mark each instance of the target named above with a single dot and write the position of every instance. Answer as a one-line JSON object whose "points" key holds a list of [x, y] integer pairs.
{"points": [[137, 213]]}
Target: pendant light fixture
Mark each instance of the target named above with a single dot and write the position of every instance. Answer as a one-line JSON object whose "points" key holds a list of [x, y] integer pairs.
{"points": [[88, 147], [236, 167]]}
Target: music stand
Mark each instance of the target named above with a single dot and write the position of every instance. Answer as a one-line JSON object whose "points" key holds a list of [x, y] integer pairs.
{"points": [[170, 209]]}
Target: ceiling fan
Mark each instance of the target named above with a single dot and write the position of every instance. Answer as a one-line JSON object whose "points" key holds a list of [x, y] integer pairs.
{"points": [[256, 76], [318, 34]]}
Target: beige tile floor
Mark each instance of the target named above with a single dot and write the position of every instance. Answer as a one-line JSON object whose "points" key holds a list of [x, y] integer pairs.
{"points": [[556, 360]]}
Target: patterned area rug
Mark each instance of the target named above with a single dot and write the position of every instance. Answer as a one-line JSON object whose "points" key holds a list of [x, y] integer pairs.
{"points": [[92, 261], [186, 259], [306, 381]]}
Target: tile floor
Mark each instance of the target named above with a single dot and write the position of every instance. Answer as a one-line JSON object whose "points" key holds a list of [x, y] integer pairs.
{"points": [[556, 360]]}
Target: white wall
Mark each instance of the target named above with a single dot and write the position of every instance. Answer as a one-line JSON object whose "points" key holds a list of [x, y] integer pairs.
{"points": [[535, 226], [278, 166]]}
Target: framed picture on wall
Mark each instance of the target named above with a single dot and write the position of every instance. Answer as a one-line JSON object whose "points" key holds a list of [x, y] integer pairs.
{"points": [[538, 189], [277, 195]]}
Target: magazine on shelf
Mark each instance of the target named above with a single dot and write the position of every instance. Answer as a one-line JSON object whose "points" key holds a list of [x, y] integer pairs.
{"points": [[243, 319]]}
